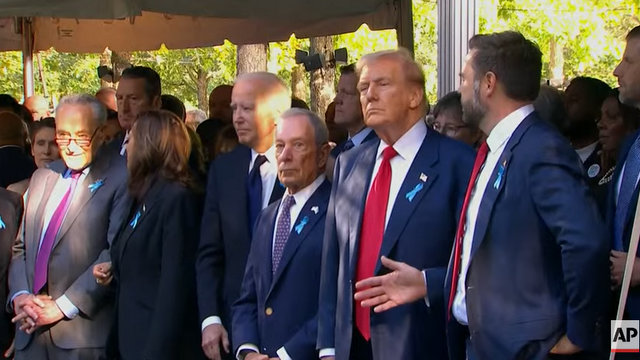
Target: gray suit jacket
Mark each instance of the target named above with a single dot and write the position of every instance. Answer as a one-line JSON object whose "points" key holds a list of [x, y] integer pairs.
{"points": [[93, 218]]}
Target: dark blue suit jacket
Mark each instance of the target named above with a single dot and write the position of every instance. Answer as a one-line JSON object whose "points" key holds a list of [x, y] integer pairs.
{"points": [[291, 293], [539, 264], [420, 233], [224, 238], [633, 300], [338, 149]]}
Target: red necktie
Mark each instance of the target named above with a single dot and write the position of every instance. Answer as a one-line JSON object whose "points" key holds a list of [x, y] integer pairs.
{"points": [[481, 156], [373, 219]]}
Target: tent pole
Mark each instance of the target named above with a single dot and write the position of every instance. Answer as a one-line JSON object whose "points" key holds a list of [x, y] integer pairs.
{"points": [[27, 57], [404, 25]]}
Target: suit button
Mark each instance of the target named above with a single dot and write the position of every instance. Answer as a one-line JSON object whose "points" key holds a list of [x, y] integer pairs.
{"points": [[268, 311]]}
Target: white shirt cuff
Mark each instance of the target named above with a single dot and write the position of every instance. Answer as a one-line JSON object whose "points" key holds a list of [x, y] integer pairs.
{"points": [[282, 354], [210, 321], [249, 347], [426, 298], [66, 306], [327, 352], [18, 294]]}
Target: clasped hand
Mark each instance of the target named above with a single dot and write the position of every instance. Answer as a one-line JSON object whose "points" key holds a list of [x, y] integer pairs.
{"points": [[34, 311]]}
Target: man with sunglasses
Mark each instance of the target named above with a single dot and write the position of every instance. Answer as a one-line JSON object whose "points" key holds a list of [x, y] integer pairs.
{"points": [[72, 211]]}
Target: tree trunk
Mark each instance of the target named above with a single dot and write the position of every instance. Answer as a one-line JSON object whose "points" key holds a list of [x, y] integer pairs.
{"points": [[556, 63], [201, 84], [322, 86], [299, 86], [251, 58], [120, 61], [105, 60]]}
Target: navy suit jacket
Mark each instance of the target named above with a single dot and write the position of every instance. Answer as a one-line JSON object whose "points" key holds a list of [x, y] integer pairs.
{"points": [[225, 239], [420, 233], [338, 149], [291, 294], [633, 300], [539, 263], [11, 208], [16, 165]]}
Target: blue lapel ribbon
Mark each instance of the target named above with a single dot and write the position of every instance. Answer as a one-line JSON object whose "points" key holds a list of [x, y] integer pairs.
{"points": [[96, 185], [134, 222], [501, 169], [301, 225], [411, 194], [2, 224]]}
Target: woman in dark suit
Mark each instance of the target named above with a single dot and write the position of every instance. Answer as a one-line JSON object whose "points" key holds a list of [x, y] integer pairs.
{"points": [[153, 257]]}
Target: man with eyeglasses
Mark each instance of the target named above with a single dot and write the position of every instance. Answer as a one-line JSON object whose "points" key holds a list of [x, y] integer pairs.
{"points": [[448, 121], [72, 211]]}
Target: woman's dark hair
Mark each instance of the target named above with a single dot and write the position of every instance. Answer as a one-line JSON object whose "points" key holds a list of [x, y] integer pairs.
{"points": [[36, 126], [159, 147]]}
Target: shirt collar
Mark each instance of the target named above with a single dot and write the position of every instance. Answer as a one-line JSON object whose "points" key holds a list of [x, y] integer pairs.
{"points": [[270, 154], [359, 137], [67, 172], [303, 195], [409, 143], [505, 127]]}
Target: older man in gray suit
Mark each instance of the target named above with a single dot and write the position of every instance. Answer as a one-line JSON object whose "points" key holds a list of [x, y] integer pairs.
{"points": [[72, 212]]}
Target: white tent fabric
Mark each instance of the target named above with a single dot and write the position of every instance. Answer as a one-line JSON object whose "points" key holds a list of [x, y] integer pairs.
{"points": [[149, 30]]}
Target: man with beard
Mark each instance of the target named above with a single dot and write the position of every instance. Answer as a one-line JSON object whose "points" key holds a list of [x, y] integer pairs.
{"points": [[583, 98], [624, 194], [528, 273]]}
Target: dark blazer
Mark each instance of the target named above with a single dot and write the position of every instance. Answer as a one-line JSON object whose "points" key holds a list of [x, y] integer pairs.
{"points": [[90, 224], [225, 239], [10, 218], [16, 165], [153, 263], [632, 310], [292, 293], [420, 233], [539, 264]]}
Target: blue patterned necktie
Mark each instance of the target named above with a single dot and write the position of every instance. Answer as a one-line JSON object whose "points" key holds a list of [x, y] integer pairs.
{"points": [[283, 228], [628, 185], [348, 145], [254, 190]]}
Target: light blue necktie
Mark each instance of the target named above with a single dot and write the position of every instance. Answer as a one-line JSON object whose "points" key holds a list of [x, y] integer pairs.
{"points": [[628, 185]]}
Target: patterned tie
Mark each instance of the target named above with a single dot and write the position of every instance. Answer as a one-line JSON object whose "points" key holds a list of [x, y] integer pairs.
{"points": [[628, 185], [42, 258], [348, 145], [254, 190], [283, 228], [481, 156], [123, 147], [372, 232]]}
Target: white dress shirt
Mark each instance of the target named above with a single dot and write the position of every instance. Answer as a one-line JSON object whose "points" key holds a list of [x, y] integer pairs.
{"points": [[63, 302], [301, 198], [497, 140], [407, 148], [269, 174]]}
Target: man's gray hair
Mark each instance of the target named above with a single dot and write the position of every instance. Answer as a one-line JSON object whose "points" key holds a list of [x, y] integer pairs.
{"points": [[320, 131], [98, 110]]}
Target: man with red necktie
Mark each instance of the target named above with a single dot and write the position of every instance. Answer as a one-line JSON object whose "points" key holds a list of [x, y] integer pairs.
{"points": [[398, 197]]}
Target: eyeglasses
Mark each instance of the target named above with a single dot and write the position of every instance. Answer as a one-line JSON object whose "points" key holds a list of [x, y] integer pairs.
{"points": [[82, 141]]}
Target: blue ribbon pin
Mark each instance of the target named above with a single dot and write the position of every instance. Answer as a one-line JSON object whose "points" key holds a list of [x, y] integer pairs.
{"points": [[96, 185], [134, 222], [496, 184], [411, 194], [2, 224], [301, 225]]}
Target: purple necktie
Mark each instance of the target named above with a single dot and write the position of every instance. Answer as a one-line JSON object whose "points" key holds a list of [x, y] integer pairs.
{"points": [[42, 259], [283, 228]]}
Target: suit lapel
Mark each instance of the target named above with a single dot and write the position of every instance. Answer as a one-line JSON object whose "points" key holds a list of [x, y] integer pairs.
{"points": [[139, 213], [496, 184], [266, 246], [35, 228], [306, 220], [357, 183], [416, 184], [83, 193], [239, 193]]}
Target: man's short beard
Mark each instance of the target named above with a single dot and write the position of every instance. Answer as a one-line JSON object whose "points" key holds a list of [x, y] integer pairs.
{"points": [[473, 111]]}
